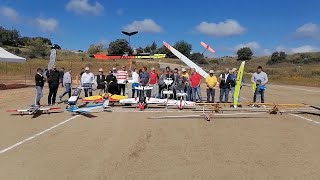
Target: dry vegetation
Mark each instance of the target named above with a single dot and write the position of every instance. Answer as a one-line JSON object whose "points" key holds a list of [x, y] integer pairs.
{"points": [[284, 73]]}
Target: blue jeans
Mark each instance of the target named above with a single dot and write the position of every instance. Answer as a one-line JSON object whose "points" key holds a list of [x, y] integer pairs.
{"points": [[257, 92], [224, 92], [88, 89], [38, 95], [196, 92], [134, 90], [67, 87], [189, 93]]}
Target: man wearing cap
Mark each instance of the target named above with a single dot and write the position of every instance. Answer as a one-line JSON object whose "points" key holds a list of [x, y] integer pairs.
{"points": [[187, 86], [112, 83], [136, 81], [87, 79], [211, 82], [66, 82], [53, 76], [122, 78], [100, 80], [153, 82]]}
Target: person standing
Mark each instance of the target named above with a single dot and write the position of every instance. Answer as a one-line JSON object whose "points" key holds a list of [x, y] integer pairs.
{"points": [[153, 82], [224, 86], [161, 84], [195, 82], [61, 76], [53, 81], [180, 84], [87, 79], [122, 78], [211, 82], [67, 81], [112, 83], [175, 76], [39, 79], [100, 80], [136, 81], [233, 81], [187, 86], [260, 78], [144, 77]]}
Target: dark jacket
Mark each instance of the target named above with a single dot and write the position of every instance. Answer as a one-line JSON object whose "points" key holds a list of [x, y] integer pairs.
{"points": [[53, 78], [225, 84], [111, 79], [39, 80], [100, 81]]}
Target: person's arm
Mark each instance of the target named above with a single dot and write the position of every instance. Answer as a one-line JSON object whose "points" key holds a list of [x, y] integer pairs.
{"points": [[252, 79], [82, 78], [265, 79]]}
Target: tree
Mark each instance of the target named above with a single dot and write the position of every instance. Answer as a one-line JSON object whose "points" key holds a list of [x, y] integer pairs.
{"points": [[9, 37], [56, 46], [153, 47], [164, 50], [147, 49], [277, 57], [244, 53], [184, 47], [119, 46], [38, 48], [198, 58], [94, 49]]}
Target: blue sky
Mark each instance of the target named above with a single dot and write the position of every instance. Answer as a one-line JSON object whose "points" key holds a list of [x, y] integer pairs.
{"points": [[265, 26]]}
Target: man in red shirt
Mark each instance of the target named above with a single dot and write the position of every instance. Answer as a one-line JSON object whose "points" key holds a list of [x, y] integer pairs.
{"points": [[195, 82], [153, 82]]}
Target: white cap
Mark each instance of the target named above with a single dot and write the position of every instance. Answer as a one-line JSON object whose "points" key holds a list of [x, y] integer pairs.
{"points": [[211, 71], [100, 70], [183, 69], [86, 69], [152, 69], [114, 68], [234, 69]]}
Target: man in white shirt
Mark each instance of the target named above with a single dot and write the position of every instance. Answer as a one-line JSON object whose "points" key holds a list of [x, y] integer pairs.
{"points": [[136, 81], [67, 81], [87, 79]]}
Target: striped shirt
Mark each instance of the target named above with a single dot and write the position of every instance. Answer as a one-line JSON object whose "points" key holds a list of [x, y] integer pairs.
{"points": [[122, 76]]}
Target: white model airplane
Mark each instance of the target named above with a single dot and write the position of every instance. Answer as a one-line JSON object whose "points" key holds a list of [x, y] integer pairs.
{"points": [[142, 100], [33, 110], [181, 103]]}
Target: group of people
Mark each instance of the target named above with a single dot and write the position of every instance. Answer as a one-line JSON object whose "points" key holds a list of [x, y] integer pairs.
{"points": [[116, 80]]}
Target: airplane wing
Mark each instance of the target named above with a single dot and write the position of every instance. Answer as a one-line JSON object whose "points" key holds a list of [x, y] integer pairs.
{"points": [[176, 103], [129, 101], [143, 88], [48, 108], [315, 107], [186, 60], [87, 109], [207, 47], [156, 101]]}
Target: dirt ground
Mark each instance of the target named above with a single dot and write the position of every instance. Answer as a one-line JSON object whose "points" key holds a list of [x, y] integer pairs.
{"points": [[125, 144]]}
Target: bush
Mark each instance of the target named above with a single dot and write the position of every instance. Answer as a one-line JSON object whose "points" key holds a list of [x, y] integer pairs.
{"points": [[198, 58], [38, 48], [94, 49]]}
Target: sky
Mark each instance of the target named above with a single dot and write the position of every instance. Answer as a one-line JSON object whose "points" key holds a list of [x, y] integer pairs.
{"points": [[265, 26]]}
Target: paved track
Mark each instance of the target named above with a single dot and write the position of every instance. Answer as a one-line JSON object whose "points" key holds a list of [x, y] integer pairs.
{"points": [[128, 145]]}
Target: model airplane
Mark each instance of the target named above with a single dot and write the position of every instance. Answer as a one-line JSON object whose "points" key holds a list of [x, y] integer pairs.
{"points": [[32, 110], [207, 47], [113, 98], [142, 100], [181, 103]]}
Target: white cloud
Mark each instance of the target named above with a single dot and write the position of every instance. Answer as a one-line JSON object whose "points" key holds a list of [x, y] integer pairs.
{"points": [[300, 49], [46, 25], [252, 45], [9, 13], [84, 7], [309, 30], [146, 25], [304, 49], [229, 27]]}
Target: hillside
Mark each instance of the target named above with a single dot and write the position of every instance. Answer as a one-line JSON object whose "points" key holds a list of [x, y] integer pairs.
{"points": [[302, 73]]}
